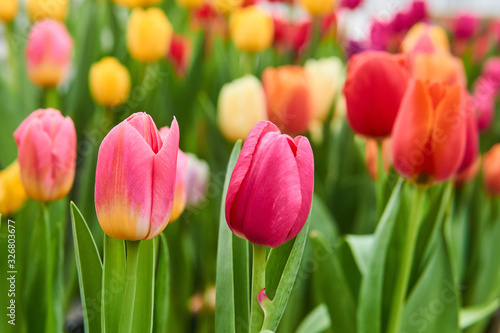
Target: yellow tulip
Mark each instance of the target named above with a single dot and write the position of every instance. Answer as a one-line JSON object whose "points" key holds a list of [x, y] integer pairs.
{"points": [[242, 104], [8, 10], [227, 6], [427, 38], [109, 82], [252, 29], [42, 9], [318, 7], [137, 3], [149, 34], [190, 4], [12, 193]]}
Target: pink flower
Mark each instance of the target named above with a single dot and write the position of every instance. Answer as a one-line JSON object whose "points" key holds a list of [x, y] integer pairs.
{"points": [[465, 25], [484, 97], [46, 143], [48, 53], [270, 191], [135, 178]]}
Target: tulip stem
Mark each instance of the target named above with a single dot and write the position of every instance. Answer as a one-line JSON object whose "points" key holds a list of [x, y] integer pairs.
{"points": [[127, 314], [407, 254], [258, 283], [381, 179], [49, 275]]}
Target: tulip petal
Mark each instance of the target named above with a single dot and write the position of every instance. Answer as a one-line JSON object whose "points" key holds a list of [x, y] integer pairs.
{"points": [[63, 159], [146, 127]]}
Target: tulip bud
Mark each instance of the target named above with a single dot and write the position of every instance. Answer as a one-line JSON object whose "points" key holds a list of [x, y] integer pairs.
{"points": [[425, 38], [251, 29], [109, 82], [47, 9], [372, 154], [46, 143], [350, 4], [324, 77], [491, 70], [48, 53], [179, 54], [465, 25], [375, 85], [491, 170], [190, 4], [8, 10], [318, 7], [429, 136], [288, 95], [484, 98], [197, 178], [241, 105], [439, 66], [292, 26], [270, 191], [12, 193], [149, 34], [227, 6], [135, 178]]}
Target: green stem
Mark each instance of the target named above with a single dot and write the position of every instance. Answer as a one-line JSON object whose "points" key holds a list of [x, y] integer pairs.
{"points": [[130, 286], [258, 283], [49, 275], [381, 179], [50, 98], [407, 254]]}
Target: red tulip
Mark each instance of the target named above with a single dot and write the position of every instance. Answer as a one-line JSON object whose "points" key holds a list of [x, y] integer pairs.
{"points": [[491, 170], [465, 25], [270, 191], [375, 85], [471, 152], [46, 143], [429, 137], [179, 54]]}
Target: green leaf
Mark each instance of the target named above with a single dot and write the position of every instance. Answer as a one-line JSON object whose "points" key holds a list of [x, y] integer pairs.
{"points": [[317, 321], [473, 314], [276, 262], [362, 250], [224, 284], [162, 286], [113, 282], [89, 266], [241, 274], [369, 316], [144, 291]]}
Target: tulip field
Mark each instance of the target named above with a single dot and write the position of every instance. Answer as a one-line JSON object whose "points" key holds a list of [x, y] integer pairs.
{"points": [[246, 166]]}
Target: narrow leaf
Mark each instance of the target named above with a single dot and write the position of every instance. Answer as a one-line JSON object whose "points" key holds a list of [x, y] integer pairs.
{"points": [[162, 286], [317, 321], [473, 314]]}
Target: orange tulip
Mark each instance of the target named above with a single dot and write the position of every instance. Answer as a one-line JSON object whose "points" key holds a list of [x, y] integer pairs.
{"points": [[371, 156], [429, 136], [491, 170], [440, 66]]}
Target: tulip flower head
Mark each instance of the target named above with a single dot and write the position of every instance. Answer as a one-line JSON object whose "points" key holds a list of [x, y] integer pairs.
{"points": [[12, 193], [270, 191], [149, 34], [46, 143], [429, 136], [135, 178], [48, 53], [109, 82], [484, 98], [439, 66], [197, 179], [8, 10], [179, 54], [375, 85], [241, 105], [47, 9], [465, 25], [471, 152], [425, 38], [372, 155], [491, 170], [251, 29], [318, 7], [289, 100]]}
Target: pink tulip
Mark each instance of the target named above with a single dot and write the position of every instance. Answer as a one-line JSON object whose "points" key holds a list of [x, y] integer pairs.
{"points": [[465, 25], [484, 97], [491, 70], [48, 53], [197, 179], [135, 178], [46, 143], [471, 153], [270, 191]]}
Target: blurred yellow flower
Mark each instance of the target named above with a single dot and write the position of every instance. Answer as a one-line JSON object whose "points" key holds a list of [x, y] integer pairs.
{"points": [[12, 194], [318, 7], [42, 9], [8, 10], [227, 6], [440, 66], [251, 29], [426, 38], [137, 3], [109, 82], [149, 34], [242, 104], [190, 4]]}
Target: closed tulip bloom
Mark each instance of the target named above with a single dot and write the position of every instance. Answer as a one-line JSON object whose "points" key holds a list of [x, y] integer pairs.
{"points": [[12, 193], [46, 143], [325, 77], [190, 4], [47, 9], [48, 53], [8, 10], [289, 100], [149, 34], [484, 98], [491, 170], [375, 85], [241, 105], [227, 6], [471, 152], [292, 26], [251, 29], [465, 25], [179, 54], [425, 38], [318, 7], [135, 178], [197, 179], [439, 66], [109, 82], [429, 137], [270, 191], [371, 156], [491, 70]]}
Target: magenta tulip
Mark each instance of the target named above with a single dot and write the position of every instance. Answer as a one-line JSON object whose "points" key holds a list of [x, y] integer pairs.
{"points": [[46, 143], [270, 191], [135, 178]]}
